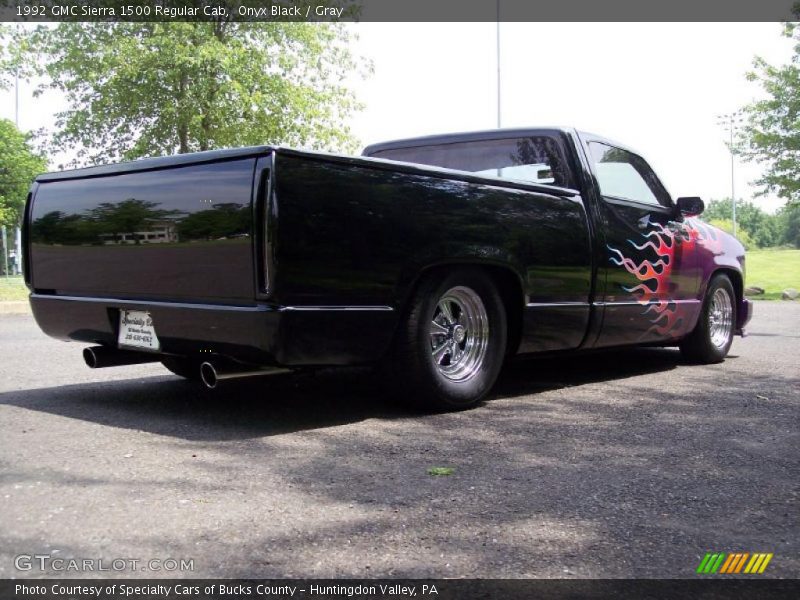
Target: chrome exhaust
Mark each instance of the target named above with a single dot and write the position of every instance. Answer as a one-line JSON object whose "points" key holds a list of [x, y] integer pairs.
{"points": [[212, 373], [98, 357]]}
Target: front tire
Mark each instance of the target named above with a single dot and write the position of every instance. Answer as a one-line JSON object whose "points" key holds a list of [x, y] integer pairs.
{"points": [[450, 346], [713, 335]]}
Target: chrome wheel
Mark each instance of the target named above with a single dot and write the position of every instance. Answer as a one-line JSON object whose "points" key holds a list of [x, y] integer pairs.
{"points": [[720, 318], [459, 334]]}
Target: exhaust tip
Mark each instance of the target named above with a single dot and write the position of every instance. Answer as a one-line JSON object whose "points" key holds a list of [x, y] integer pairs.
{"points": [[90, 358], [208, 374]]}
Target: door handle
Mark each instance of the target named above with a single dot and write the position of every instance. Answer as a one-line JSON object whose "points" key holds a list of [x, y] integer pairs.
{"points": [[644, 222]]}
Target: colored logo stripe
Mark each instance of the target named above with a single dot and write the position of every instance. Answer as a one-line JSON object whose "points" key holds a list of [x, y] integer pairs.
{"points": [[734, 563], [758, 563], [711, 562], [723, 563]]}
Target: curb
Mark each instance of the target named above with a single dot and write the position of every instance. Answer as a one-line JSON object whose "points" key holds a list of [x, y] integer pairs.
{"points": [[16, 307]]}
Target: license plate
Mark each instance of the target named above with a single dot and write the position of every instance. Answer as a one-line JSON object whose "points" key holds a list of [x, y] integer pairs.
{"points": [[136, 330]]}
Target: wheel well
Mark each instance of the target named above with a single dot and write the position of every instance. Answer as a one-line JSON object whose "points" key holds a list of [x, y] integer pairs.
{"points": [[510, 288], [738, 287]]}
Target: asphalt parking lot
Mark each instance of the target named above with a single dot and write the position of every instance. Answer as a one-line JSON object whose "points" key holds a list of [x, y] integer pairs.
{"points": [[625, 464]]}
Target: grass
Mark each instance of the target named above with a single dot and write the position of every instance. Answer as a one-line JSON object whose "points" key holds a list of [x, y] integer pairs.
{"points": [[12, 288], [774, 270], [441, 471]]}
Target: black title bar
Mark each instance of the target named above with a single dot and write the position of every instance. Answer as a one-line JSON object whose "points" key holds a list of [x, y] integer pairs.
{"points": [[395, 589], [398, 10]]}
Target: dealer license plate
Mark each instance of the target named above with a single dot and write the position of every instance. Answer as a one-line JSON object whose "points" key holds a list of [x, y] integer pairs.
{"points": [[136, 330]]}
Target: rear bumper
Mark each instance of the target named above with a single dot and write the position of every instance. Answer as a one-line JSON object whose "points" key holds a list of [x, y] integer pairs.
{"points": [[743, 316], [261, 334]]}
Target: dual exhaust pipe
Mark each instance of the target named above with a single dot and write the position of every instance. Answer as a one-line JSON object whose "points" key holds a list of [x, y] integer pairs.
{"points": [[211, 372], [99, 357]]}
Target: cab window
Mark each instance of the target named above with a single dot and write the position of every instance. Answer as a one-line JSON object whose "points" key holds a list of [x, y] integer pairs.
{"points": [[622, 174], [532, 159]]}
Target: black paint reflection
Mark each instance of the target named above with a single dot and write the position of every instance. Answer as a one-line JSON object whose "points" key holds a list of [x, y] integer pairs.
{"points": [[349, 234], [179, 232], [135, 221]]}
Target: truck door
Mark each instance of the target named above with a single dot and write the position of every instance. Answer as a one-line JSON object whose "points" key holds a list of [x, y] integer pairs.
{"points": [[645, 262]]}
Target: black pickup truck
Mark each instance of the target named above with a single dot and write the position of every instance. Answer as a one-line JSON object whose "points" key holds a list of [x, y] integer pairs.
{"points": [[433, 258]]}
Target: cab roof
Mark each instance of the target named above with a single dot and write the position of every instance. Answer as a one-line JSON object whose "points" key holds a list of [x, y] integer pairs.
{"points": [[466, 136]]}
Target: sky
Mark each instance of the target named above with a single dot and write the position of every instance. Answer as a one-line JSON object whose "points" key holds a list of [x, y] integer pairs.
{"points": [[657, 87]]}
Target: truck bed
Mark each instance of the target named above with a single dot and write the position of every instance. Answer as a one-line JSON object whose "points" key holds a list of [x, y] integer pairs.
{"points": [[277, 256]]}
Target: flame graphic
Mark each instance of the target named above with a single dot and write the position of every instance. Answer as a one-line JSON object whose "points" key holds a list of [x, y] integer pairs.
{"points": [[668, 243]]}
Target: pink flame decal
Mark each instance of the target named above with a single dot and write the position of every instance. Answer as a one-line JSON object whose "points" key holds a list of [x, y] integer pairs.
{"points": [[669, 244]]}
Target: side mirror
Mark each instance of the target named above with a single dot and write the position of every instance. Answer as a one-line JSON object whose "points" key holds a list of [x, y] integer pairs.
{"points": [[690, 206]]}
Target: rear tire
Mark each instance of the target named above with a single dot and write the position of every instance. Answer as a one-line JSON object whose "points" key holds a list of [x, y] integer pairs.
{"points": [[713, 335], [450, 346], [183, 367]]}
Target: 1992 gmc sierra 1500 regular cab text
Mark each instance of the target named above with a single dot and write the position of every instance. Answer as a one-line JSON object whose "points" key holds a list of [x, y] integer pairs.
{"points": [[435, 258]]}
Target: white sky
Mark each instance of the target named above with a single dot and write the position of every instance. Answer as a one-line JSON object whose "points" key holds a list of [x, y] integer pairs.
{"points": [[657, 87]]}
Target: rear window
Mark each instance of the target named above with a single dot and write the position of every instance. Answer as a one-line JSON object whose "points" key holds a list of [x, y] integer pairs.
{"points": [[533, 159]]}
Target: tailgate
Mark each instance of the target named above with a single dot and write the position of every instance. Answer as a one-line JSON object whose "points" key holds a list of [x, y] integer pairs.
{"points": [[181, 233]]}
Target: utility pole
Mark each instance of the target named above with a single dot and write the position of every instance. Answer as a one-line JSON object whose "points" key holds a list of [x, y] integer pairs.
{"points": [[16, 97], [730, 123], [499, 120]]}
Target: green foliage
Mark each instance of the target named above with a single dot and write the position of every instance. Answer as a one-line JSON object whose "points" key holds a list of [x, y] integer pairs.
{"points": [[771, 135], [759, 228], [10, 52], [146, 89], [748, 215], [790, 225], [224, 220], [19, 164], [6, 62], [127, 216], [768, 233], [727, 225]]}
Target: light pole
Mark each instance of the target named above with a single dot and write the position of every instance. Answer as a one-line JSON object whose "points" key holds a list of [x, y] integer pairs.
{"points": [[16, 85], [730, 123], [18, 244]]}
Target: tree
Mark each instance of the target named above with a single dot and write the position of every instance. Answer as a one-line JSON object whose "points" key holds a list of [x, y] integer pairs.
{"points": [[145, 89], [223, 220], [6, 61], [19, 165], [761, 229], [771, 135], [128, 216], [748, 215], [789, 217]]}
